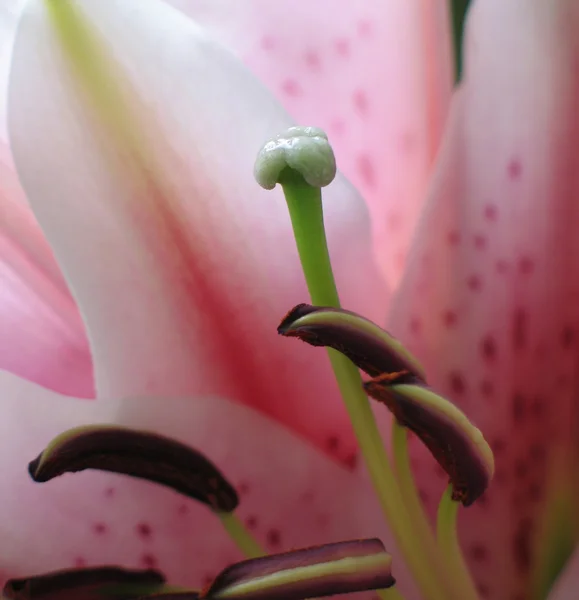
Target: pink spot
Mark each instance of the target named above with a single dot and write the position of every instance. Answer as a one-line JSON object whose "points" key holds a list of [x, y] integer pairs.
{"points": [[360, 100], [312, 59], [520, 322], [453, 238], [291, 87], [364, 28], [486, 388], [144, 530], [518, 407], [501, 266], [183, 510], [478, 552], [251, 522], [243, 488], [333, 443], [491, 212], [366, 170], [567, 336], [489, 348], [514, 169], [109, 492], [268, 43], [415, 325], [273, 537], [526, 265], [351, 461], [148, 560], [457, 384], [337, 126], [80, 562], [342, 47], [480, 241], [474, 283], [449, 318], [99, 528]]}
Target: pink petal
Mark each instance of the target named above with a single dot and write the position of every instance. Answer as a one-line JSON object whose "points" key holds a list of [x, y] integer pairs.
{"points": [[291, 495], [490, 299], [376, 75], [182, 267], [42, 337]]}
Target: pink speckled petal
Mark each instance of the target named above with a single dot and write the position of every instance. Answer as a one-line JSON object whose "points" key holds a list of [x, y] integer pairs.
{"points": [[42, 337], [181, 264], [375, 74], [290, 494], [490, 299]]}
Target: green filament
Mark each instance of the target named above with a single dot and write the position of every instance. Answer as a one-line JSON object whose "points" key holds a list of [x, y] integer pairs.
{"points": [[241, 536]]}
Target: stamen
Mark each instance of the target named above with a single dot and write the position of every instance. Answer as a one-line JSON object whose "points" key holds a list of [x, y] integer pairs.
{"points": [[150, 456], [139, 454], [368, 346], [339, 568], [456, 444], [305, 207], [85, 584]]}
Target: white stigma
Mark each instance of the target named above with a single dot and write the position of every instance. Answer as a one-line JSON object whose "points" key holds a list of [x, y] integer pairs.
{"points": [[304, 149]]}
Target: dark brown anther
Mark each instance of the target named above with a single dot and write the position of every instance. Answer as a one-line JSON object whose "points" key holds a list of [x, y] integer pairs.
{"points": [[98, 583], [139, 454], [368, 346], [456, 444]]}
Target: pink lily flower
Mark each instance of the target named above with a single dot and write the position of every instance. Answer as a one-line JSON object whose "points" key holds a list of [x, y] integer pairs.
{"points": [[183, 346]]}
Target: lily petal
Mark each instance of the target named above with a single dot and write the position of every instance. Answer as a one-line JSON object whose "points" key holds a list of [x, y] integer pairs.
{"points": [[167, 254], [291, 496], [377, 76], [42, 337], [489, 303]]}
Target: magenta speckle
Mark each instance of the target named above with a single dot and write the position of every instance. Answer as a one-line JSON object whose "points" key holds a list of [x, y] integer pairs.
{"points": [[456, 383], [333, 443], [491, 213], [243, 488], [360, 100], [453, 238], [291, 87], [449, 318], [478, 552], [274, 538], [337, 126], [99, 528], [343, 47], [312, 59], [80, 562], [474, 283], [567, 337], [182, 510], [526, 265], [365, 28], [415, 325], [251, 522], [268, 43], [489, 348], [480, 241], [148, 560], [109, 492], [366, 170], [144, 530], [501, 266], [351, 461], [486, 388], [514, 169]]}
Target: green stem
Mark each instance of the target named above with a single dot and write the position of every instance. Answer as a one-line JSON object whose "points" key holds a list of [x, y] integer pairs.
{"points": [[447, 536], [241, 536], [305, 208]]}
